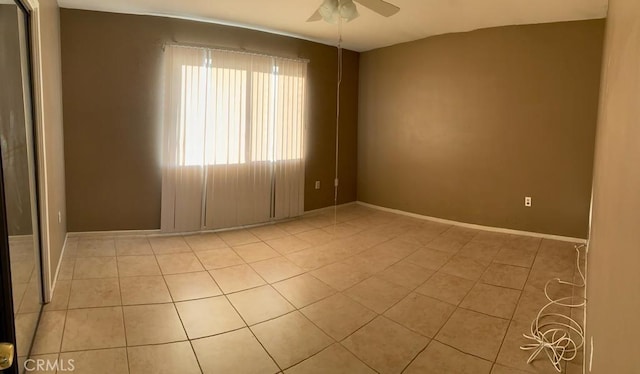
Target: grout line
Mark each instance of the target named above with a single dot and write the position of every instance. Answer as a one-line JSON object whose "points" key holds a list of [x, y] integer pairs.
{"points": [[308, 271]]}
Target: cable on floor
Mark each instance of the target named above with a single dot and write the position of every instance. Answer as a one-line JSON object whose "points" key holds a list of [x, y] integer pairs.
{"points": [[558, 335]]}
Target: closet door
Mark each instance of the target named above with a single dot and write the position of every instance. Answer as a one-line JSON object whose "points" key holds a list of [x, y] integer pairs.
{"points": [[20, 270]]}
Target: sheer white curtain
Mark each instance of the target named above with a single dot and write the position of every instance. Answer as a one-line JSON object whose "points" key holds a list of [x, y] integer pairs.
{"points": [[233, 139]]}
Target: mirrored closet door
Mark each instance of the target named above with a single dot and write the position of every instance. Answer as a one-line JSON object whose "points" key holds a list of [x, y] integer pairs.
{"points": [[19, 243]]}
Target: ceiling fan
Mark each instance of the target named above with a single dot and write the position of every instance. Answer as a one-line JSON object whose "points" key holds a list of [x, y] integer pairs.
{"points": [[332, 10]]}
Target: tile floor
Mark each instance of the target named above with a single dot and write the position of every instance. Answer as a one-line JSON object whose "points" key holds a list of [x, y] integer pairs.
{"points": [[374, 292]]}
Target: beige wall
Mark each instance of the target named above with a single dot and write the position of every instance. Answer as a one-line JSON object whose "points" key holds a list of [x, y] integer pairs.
{"points": [[613, 284], [464, 126], [111, 80], [52, 106]]}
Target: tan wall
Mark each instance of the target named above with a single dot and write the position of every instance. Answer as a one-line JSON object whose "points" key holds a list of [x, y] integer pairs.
{"points": [[464, 126], [52, 106], [111, 79], [613, 284]]}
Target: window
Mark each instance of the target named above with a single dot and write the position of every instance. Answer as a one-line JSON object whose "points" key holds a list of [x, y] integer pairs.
{"points": [[231, 115], [233, 143]]}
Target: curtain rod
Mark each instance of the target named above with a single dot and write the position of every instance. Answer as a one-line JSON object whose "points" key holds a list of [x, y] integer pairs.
{"points": [[237, 50]]}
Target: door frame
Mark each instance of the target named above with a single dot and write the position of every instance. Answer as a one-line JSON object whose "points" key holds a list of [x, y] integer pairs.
{"points": [[32, 7], [7, 318]]}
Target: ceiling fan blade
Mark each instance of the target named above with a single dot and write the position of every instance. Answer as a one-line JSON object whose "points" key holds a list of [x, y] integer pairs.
{"points": [[381, 7], [315, 16]]}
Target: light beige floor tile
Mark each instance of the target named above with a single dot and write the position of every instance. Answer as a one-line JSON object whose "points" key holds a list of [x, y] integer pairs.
{"points": [[26, 324], [295, 226], [268, 232], [530, 303], [429, 258], [447, 243], [481, 252], [238, 237], [236, 278], [209, 316], [177, 263], [191, 286], [500, 369], [315, 236], [460, 232], [406, 274], [421, 314], [153, 359], [335, 359], [205, 242], [219, 258], [31, 301], [18, 292], [385, 346], [260, 304], [316, 257], [377, 294], [95, 267], [464, 267], [95, 248], [400, 247], [233, 352], [338, 316], [526, 243], [86, 293], [288, 244], [66, 269], [254, 252], [446, 287], [276, 269], [162, 245], [512, 356], [49, 333], [131, 266], [505, 276], [303, 290], [371, 261], [493, 238], [133, 247], [439, 358], [340, 275], [474, 333], [342, 230], [144, 290], [319, 220], [103, 361], [515, 256], [492, 300], [290, 338], [93, 329], [152, 324], [60, 299]]}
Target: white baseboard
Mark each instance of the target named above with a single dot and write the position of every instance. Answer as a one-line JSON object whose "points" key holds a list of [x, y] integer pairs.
{"points": [[475, 226], [55, 277], [326, 208], [84, 234]]}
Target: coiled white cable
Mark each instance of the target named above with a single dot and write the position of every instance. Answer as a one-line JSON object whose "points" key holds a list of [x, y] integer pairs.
{"points": [[558, 335]]}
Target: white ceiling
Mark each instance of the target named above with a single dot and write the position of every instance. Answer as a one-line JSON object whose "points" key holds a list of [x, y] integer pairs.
{"points": [[417, 19]]}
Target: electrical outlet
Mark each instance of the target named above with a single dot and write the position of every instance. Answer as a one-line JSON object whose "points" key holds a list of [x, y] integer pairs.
{"points": [[317, 185], [527, 201]]}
